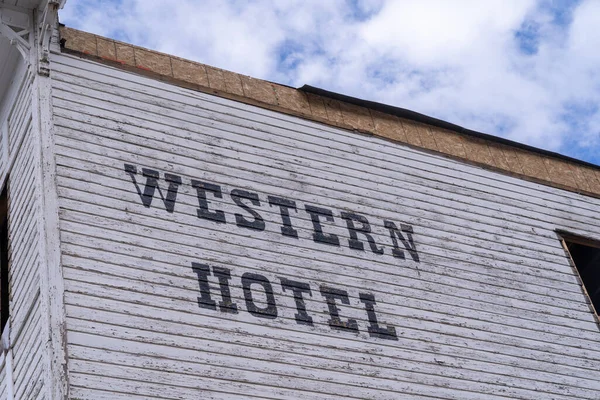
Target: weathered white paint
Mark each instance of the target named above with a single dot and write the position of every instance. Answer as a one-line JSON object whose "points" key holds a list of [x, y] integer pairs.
{"points": [[492, 310], [26, 361], [24, 254], [51, 280]]}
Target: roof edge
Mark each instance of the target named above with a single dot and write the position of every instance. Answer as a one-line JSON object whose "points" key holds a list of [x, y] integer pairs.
{"points": [[388, 122], [426, 119]]}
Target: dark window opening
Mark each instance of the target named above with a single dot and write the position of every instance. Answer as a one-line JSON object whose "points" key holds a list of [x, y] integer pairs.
{"points": [[586, 257], [4, 268]]}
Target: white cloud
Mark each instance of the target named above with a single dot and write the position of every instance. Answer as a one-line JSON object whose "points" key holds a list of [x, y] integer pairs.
{"points": [[433, 32], [459, 61], [585, 35]]}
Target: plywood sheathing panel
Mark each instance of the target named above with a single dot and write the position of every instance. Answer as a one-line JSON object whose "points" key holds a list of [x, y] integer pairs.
{"points": [[189, 71], [125, 54], [292, 99], [259, 90], [509, 155], [388, 126], [427, 138], [106, 48], [580, 178], [153, 61], [450, 143], [479, 151], [356, 117], [532, 165], [80, 41], [593, 179], [215, 78], [317, 106], [413, 132], [233, 83], [559, 172], [334, 111]]}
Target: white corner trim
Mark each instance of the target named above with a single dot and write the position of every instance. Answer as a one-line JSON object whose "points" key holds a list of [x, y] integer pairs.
{"points": [[51, 278]]}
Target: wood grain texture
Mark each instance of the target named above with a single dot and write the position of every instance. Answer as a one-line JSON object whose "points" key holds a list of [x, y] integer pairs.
{"points": [[491, 310]]}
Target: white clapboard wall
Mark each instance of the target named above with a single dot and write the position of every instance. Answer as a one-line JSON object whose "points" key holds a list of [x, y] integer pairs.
{"points": [[491, 310], [19, 163]]}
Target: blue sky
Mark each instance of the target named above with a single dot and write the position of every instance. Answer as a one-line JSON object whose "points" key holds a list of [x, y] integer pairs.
{"points": [[526, 70]]}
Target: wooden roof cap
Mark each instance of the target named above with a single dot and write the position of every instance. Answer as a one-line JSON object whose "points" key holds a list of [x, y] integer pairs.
{"points": [[333, 109]]}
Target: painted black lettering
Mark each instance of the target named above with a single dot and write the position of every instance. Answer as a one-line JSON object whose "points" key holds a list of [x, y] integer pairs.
{"points": [[237, 195], [204, 301], [298, 288], [270, 311], [152, 186], [203, 211], [284, 208], [226, 305], [389, 332], [331, 294], [365, 229], [318, 235], [409, 244]]}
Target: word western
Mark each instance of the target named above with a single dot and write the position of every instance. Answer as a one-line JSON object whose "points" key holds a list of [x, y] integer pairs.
{"points": [[250, 282], [249, 201]]}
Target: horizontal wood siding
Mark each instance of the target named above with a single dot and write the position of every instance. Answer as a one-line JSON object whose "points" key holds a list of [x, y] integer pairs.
{"points": [[488, 307], [24, 253]]}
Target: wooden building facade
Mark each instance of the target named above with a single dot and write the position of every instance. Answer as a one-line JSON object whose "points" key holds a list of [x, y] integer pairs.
{"points": [[177, 231]]}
